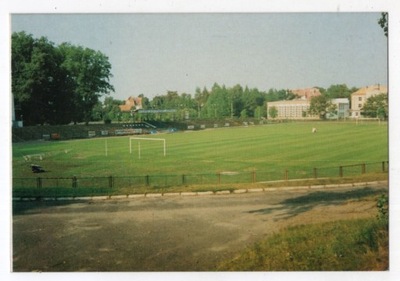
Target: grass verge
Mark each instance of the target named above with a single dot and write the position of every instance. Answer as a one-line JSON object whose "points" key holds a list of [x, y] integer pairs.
{"points": [[345, 245]]}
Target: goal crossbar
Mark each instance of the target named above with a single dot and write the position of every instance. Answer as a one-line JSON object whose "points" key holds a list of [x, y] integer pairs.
{"points": [[147, 139]]}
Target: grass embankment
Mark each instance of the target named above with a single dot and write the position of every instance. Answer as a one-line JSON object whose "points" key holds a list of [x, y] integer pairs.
{"points": [[346, 245]]}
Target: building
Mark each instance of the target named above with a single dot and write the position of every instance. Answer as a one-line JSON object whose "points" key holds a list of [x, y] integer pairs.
{"points": [[342, 109], [295, 109], [131, 103], [307, 93], [359, 98], [290, 109]]}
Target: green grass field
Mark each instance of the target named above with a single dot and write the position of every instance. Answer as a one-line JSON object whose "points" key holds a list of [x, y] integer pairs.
{"points": [[269, 148]]}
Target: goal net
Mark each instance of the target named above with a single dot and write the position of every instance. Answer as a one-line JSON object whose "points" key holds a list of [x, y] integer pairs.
{"points": [[139, 140]]}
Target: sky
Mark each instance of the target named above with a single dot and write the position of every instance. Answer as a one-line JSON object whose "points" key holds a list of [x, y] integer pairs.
{"points": [[154, 53]]}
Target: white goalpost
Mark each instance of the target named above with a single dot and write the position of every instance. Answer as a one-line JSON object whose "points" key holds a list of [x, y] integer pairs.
{"points": [[145, 139]]}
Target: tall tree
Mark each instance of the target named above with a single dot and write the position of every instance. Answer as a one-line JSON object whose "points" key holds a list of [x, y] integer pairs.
{"points": [[56, 85], [90, 72], [320, 105], [218, 105], [376, 106], [40, 87]]}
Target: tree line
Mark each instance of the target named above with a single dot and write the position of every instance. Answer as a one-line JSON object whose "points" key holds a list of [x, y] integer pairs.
{"points": [[65, 84], [218, 102]]}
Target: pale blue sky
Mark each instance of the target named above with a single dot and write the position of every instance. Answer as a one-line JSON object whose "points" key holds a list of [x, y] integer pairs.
{"points": [[154, 53]]}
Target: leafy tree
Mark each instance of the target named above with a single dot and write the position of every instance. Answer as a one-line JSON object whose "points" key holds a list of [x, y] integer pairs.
{"points": [[243, 114], [22, 46], [218, 105], [56, 85], [383, 22], [273, 112], [201, 99], [376, 106], [108, 110], [320, 105], [41, 89], [275, 95], [338, 91], [259, 112], [90, 72]]}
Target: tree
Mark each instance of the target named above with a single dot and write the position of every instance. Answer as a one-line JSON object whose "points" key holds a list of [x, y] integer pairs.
{"points": [[383, 22], [320, 105], [273, 112], [41, 89], [218, 105], [376, 107], [90, 72], [338, 91], [259, 112], [56, 84]]}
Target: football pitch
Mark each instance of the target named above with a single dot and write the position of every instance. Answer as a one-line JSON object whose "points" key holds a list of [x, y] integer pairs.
{"points": [[272, 148]]}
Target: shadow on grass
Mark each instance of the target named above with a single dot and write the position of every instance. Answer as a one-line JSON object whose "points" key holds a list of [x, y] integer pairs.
{"points": [[298, 205]]}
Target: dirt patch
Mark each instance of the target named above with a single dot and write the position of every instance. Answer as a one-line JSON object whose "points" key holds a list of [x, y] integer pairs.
{"points": [[171, 233]]}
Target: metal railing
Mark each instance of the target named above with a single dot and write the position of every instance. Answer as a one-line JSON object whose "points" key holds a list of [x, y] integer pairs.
{"points": [[60, 186]]}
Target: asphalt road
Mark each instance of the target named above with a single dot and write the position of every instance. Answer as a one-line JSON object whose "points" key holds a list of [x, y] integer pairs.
{"points": [[169, 233]]}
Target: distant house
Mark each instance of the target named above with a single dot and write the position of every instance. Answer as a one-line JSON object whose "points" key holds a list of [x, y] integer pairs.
{"points": [[342, 109], [359, 98], [131, 103], [307, 93], [295, 109]]}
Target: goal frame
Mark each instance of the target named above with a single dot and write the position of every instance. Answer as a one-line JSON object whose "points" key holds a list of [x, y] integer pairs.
{"points": [[147, 139]]}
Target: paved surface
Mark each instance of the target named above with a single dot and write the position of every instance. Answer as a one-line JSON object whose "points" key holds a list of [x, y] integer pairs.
{"points": [[169, 233]]}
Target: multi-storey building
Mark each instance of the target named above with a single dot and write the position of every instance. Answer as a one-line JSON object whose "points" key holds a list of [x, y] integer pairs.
{"points": [[291, 109], [295, 109], [359, 98]]}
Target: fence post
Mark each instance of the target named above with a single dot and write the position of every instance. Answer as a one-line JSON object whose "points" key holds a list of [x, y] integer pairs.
{"points": [[254, 176], [147, 179], [286, 175], [74, 182], [183, 180], [341, 171], [315, 173], [219, 178], [39, 182], [363, 168], [110, 182], [383, 166]]}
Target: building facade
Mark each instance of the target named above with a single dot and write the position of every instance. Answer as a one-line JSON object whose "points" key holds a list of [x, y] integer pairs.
{"points": [[295, 109], [342, 109], [290, 109], [359, 98]]}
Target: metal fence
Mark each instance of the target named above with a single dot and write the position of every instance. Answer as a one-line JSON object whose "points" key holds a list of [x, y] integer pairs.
{"points": [[57, 186]]}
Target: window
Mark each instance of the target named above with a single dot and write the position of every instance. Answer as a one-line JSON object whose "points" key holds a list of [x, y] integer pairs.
{"points": [[359, 98]]}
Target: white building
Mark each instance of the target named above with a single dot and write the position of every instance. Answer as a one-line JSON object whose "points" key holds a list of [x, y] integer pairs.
{"points": [[291, 109], [342, 109]]}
